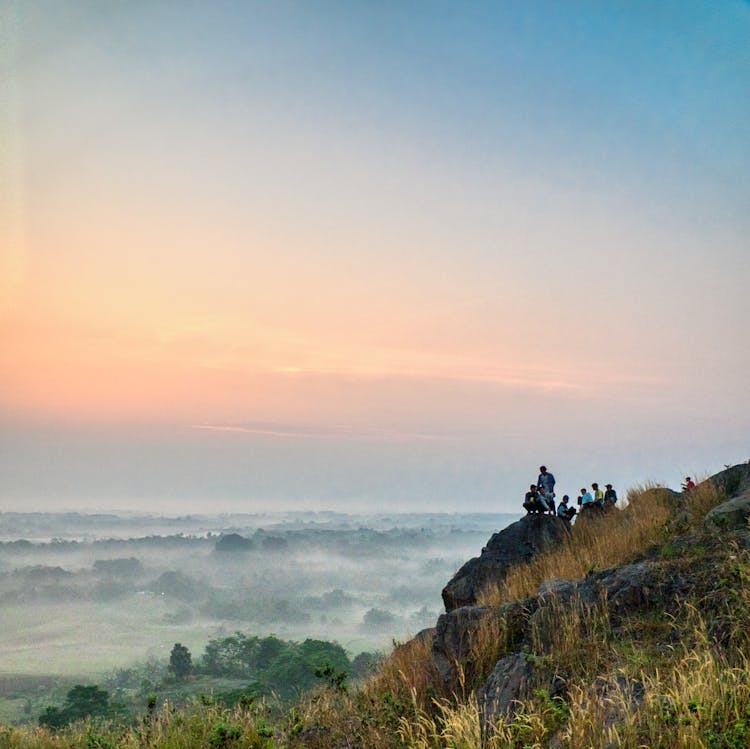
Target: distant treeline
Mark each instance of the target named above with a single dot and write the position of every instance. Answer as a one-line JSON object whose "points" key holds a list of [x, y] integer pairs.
{"points": [[359, 541]]}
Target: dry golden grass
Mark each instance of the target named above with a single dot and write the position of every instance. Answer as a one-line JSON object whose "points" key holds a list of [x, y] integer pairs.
{"points": [[409, 668], [635, 492], [698, 700], [194, 725], [573, 635], [698, 501], [489, 643], [451, 724], [405, 683]]}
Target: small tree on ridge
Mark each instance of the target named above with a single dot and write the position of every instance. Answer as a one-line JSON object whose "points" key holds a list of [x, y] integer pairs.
{"points": [[180, 661]]}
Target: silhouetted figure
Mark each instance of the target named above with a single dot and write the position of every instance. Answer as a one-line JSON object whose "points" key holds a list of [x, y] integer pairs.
{"points": [[533, 502], [546, 483], [598, 495], [565, 512], [610, 497], [548, 500], [688, 485], [585, 500]]}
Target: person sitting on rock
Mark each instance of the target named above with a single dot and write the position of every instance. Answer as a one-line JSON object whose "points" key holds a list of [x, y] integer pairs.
{"points": [[688, 485], [533, 502], [598, 495], [549, 500], [565, 512], [610, 497], [586, 500]]}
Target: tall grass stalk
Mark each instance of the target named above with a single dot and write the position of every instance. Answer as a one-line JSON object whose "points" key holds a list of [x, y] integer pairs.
{"points": [[409, 669]]}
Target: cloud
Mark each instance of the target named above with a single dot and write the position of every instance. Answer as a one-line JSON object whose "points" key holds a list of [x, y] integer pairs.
{"points": [[266, 429]]}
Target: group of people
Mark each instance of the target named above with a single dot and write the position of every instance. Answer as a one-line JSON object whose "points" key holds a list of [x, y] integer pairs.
{"points": [[540, 499]]}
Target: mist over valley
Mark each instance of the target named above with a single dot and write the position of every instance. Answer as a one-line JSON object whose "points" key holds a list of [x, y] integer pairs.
{"points": [[82, 594]]}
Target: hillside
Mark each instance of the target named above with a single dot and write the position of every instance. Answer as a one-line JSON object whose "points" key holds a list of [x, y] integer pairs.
{"points": [[629, 630]]}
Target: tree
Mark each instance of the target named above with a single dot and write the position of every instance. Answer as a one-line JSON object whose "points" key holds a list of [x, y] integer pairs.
{"points": [[233, 542], [234, 656], [80, 702], [364, 664], [180, 661], [378, 618]]}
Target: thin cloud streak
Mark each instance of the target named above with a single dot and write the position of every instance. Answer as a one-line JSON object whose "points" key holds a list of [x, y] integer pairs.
{"points": [[325, 434], [587, 383]]}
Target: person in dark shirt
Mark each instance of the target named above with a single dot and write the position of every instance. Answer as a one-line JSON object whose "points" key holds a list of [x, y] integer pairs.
{"points": [[565, 512], [610, 497], [532, 502], [546, 481]]}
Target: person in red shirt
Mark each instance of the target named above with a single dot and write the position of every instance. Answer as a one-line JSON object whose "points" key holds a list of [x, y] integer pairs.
{"points": [[688, 485]]}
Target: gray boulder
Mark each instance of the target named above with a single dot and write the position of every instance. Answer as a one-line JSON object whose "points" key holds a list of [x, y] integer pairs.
{"points": [[514, 679], [518, 543], [462, 634], [733, 513], [734, 480], [510, 681], [632, 587]]}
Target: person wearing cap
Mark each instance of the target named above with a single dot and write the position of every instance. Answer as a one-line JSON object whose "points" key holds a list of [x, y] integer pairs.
{"points": [[563, 511], [610, 496]]}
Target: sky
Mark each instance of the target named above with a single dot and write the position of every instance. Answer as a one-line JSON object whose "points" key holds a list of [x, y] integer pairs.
{"points": [[369, 255]]}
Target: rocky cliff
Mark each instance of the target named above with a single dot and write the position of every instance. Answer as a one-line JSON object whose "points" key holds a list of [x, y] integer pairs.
{"points": [[518, 543], [512, 650]]}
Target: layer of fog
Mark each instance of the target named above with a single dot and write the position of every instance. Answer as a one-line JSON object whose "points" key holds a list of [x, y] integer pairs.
{"points": [[85, 593]]}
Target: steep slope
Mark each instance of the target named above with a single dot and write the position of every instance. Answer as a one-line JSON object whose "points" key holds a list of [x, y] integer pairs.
{"points": [[596, 640]]}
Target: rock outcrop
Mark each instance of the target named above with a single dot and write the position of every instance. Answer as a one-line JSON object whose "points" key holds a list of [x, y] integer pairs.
{"points": [[735, 483], [519, 542], [730, 514], [511, 680], [457, 631], [660, 581], [733, 480]]}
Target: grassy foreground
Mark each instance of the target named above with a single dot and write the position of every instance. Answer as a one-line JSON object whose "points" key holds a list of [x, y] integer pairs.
{"points": [[675, 675]]}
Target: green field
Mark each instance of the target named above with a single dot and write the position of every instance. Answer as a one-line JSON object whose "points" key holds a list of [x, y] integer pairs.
{"points": [[88, 638]]}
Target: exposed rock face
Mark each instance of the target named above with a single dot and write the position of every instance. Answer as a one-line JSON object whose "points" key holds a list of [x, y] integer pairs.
{"points": [[734, 480], [629, 588], [519, 542], [454, 635], [457, 631], [633, 587], [730, 514], [510, 680]]}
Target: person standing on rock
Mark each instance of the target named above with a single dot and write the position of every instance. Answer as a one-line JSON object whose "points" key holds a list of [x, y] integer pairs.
{"points": [[546, 482]]}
